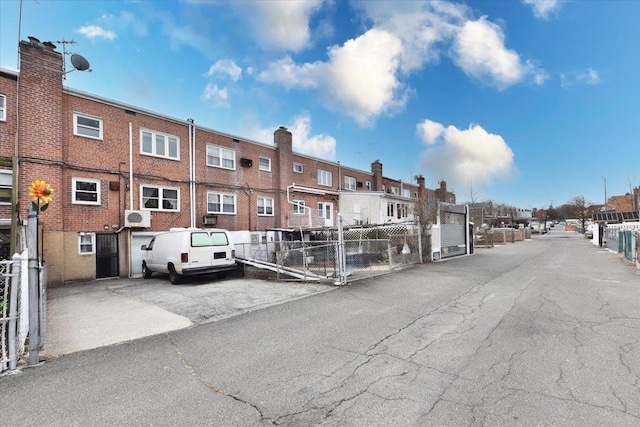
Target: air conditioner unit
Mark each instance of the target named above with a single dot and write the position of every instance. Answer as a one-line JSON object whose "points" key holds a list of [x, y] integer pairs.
{"points": [[141, 219], [210, 219]]}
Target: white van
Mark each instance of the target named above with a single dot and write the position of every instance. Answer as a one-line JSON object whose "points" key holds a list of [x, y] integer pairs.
{"points": [[189, 251]]}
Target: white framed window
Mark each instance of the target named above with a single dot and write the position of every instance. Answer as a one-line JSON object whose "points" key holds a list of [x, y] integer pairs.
{"points": [[324, 178], [324, 210], [86, 243], [221, 203], [265, 164], [367, 185], [160, 198], [265, 206], [159, 144], [298, 167], [3, 108], [390, 209], [406, 192], [6, 187], [395, 191], [220, 157], [384, 187], [298, 207], [349, 183], [87, 126], [85, 191]]}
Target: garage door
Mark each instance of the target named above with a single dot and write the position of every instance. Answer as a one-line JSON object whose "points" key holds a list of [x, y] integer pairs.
{"points": [[137, 240]]}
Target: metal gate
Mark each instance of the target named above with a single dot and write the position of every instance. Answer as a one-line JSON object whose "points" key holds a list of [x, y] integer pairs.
{"points": [[453, 230], [107, 256]]}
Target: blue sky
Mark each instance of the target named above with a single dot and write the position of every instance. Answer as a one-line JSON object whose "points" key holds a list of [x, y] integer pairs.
{"points": [[526, 102]]}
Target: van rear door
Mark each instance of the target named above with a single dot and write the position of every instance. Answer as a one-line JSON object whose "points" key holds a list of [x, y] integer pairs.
{"points": [[221, 253], [200, 251]]}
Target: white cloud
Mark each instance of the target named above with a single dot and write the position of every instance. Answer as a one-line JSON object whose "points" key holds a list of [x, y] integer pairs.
{"points": [[320, 146], [96, 32], [588, 76], [480, 51], [543, 8], [467, 155], [217, 96], [226, 67], [429, 131], [280, 24], [359, 78]]}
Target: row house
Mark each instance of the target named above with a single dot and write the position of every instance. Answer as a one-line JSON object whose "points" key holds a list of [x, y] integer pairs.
{"points": [[121, 174]]}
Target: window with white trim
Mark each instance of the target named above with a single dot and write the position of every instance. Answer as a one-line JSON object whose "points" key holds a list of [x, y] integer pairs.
{"points": [[265, 206], [367, 185], [86, 243], [221, 203], [85, 191], [406, 192], [3, 108], [6, 186], [220, 157], [324, 178], [298, 207], [159, 144], [390, 209], [160, 198], [264, 164], [395, 191], [87, 126], [349, 183], [298, 167]]}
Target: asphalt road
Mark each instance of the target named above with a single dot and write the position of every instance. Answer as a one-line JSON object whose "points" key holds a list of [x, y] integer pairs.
{"points": [[538, 333]]}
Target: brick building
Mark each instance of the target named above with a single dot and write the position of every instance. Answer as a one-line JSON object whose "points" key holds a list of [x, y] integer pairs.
{"points": [[122, 174]]}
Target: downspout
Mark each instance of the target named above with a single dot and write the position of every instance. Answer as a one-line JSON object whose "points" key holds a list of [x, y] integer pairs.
{"points": [[192, 173], [249, 193], [130, 165]]}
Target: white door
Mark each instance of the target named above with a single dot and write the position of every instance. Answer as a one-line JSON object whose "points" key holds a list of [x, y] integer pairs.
{"points": [[136, 253], [325, 211]]}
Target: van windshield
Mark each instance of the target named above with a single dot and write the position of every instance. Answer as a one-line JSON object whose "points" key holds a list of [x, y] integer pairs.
{"points": [[219, 239]]}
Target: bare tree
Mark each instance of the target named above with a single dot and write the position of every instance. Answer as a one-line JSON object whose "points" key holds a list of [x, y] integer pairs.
{"points": [[578, 207]]}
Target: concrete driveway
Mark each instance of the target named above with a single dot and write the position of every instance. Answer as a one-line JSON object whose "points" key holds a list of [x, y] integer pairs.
{"points": [[86, 315]]}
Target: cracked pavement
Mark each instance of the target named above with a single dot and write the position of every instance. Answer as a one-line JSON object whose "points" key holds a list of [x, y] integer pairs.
{"points": [[538, 333]]}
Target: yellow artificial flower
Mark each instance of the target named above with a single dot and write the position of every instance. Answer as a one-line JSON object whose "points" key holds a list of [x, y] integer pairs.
{"points": [[40, 191]]}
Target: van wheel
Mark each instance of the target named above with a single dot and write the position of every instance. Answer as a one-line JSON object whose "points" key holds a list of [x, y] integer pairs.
{"points": [[146, 273], [174, 277]]}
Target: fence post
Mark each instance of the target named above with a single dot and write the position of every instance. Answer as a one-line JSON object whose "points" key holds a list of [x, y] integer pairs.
{"points": [[420, 241], [341, 254], [34, 276]]}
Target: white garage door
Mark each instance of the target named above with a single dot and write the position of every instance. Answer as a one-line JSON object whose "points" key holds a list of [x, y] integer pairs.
{"points": [[137, 240]]}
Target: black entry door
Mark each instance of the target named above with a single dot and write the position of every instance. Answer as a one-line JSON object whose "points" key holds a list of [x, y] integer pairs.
{"points": [[107, 264]]}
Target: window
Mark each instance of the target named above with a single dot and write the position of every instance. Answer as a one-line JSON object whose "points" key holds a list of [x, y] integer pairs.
{"points": [[88, 126], [298, 207], [6, 186], [265, 206], [349, 183], [298, 167], [395, 191], [406, 193], [221, 203], [86, 243], [3, 108], [86, 191], [265, 164], [159, 144], [324, 210], [160, 198], [390, 209], [219, 157], [384, 187], [367, 185], [324, 177]]}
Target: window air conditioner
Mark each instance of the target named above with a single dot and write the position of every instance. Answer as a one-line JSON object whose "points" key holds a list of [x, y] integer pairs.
{"points": [[141, 219], [210, 219]]}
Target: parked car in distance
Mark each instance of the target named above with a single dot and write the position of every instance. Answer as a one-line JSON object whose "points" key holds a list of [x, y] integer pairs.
{"points": [[589, 231], [189, 251]]}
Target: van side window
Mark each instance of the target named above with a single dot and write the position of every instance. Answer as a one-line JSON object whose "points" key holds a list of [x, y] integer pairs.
{"points": [[200, 239], [150, 245], [219, 239]]}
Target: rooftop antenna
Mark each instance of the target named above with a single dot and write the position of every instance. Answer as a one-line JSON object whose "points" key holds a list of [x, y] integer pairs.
{"points": [[78, 61]]}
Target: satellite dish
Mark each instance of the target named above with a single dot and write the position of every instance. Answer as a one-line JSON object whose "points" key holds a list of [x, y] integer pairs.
{"points": [[79, 62]]}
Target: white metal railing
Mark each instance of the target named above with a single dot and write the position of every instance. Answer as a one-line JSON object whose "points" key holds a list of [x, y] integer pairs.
{"points": [[13, 310]]}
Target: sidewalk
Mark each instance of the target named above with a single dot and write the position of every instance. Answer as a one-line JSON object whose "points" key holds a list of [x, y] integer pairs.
{"points": [[86, 315]]}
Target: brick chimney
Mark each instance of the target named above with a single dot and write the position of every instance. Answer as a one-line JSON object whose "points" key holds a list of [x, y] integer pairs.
{"points": [[422, 191], [376, 169], [283, 140]]}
